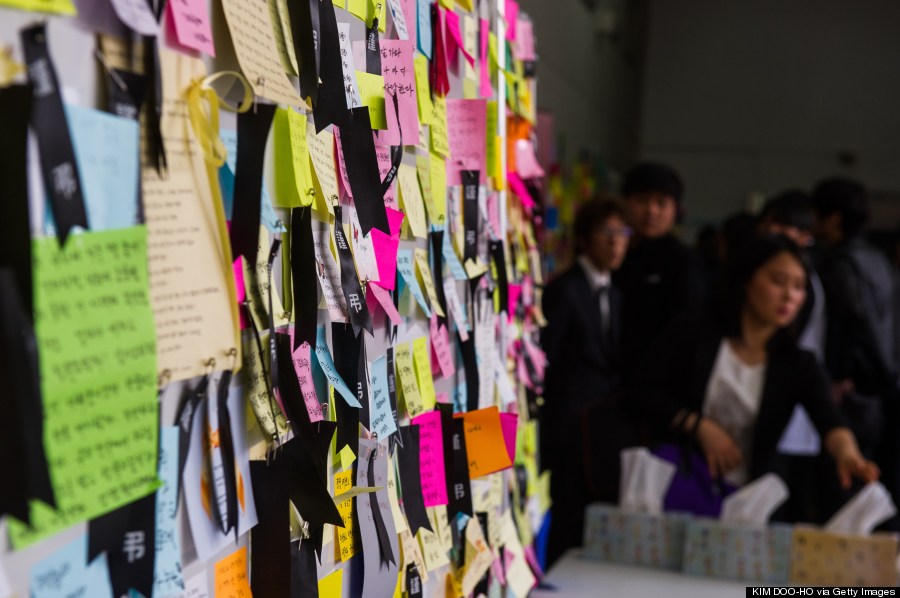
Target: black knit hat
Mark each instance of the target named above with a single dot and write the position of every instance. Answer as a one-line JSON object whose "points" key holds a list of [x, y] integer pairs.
{"points": [[653, 177]]}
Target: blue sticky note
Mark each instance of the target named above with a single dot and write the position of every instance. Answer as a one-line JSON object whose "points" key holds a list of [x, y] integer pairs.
{"points": [[459, 398], [167, 579], [423, 10], [456, 267], [382, 418], [66, 573], [267, 214], [323, 356], [406, 267], [108, 156]]}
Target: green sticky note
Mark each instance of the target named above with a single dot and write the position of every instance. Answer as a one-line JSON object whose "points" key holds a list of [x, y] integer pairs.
{"points": [[347, 457], [423, 89], [371, 92], [64, 7], [293, 175], [97, 339]]}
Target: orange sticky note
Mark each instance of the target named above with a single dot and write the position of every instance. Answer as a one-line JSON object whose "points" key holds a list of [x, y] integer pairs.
{"points": [[231, 576], [485, 445]]}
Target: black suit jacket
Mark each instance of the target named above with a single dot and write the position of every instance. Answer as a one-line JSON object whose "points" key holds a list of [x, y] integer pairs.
{"points": [[677, 371], [583, 363]]}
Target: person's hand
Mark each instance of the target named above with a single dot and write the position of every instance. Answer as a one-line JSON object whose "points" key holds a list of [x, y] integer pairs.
{"points": [[852, 464], [722, 454]]}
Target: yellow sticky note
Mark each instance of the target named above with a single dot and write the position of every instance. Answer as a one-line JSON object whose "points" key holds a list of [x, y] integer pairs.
{"points": [[357, 8], [346, 457], [399, 518], [466, 4], [428, 281], [433, 552], [293, 179], [440, 143], [423, 89], [423, 167], [475, 269], [448, 4], [231, 579], [371, 92], [321, 154], [332, 585], [493, 156], [411, 196], [403, 356], [344, 548], [63, 7], [438, 172], [423, 372], [339, 3], [365, 10]]}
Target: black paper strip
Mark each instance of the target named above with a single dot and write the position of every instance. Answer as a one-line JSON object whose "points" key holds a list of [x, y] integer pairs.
{"points": [[48, 119], [373, 49], [396, 152], [362, 387], [128, 536], [353, 294], [303, 272], [227, 497], [304, 581], [346, 361], [482, 586], [392, 393], [470, 213], [304, 16], [437, 270], [470, 364], [252, 131], [184, 419], [499, 258], [411, 480], [384, 542], [295, 408], [331, 101], [459, 489], [270, 557], [309, 493], [358, 146], [156, 146], [413, 581]]}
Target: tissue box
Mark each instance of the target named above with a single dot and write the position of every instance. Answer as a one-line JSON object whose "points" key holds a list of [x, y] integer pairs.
{"points": [[823, 558], [716, 548], [617, 536]]}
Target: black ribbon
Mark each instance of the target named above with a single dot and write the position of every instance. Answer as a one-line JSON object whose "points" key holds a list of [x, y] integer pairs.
{"points": [[396, 152], [48, 119], [356, 301], [470, 363], [331, 101], [384, 541], [459, 490], [226, 497], [273, 350], [470, 213], [304, 582], [392, 393], [184, 419], [303, 272], [411, 480], [362, 387], [304, 16], [437, 270], [358, 146], [347, 347], [127, 103], [499, 257], [270, 558], [295, 408], [252, 132], [373, 49], [413, 581], [156, 144], [128, 536], [482, 586]]}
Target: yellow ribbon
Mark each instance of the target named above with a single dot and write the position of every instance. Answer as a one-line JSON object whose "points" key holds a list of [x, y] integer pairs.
{"points": [[203, 106]]}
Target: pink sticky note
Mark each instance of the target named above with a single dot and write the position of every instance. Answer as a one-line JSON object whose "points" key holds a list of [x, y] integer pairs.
{"points": [[410, 14], [383, 154], [522, 372], [525, 39], [531, 557], [484, 30], [384, 300], [517, 186], [307, 386], [509, 422], [400, 80], [497, 569], [440, 344], [455, 43], [442, 398], [431, 458], [538, 358], [342, 167], [466, 132], [395, 221], [515, 291], [526, 161], [511, 16], [493, 210], [385, 248], [192, 26]]}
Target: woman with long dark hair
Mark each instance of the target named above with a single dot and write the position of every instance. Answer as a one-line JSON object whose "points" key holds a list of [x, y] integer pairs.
{"points": [[731, 378]]}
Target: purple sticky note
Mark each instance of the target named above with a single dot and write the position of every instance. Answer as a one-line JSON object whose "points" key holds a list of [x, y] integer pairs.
{"points": [[431, 458]]}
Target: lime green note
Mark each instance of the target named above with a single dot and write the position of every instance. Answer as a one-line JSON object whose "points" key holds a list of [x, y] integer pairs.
{"points": [[423, 89], [96, 334], [64, 7], [371, 92], [438, 173], [423, 373], [293, 175]]}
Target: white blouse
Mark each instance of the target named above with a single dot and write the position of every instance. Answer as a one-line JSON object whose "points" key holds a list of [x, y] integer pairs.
{"points": [[733, 395]]}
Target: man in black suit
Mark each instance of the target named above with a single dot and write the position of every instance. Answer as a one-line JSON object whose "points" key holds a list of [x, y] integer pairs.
{"points": [[583, 379]]}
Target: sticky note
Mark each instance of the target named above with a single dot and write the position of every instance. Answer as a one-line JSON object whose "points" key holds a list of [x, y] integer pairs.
{"points": [[385, 248], [422, 361], [492, 155], [438, 172], [452, 259], [323, 356], [423, 169], [192, 25], [395, 221], [425, 34], [440, 142], [406, 266], [427, 280], [466, 129], [267, 214], [382, 419], [398, 70], [440, 343], [65, 573], [423, 89], [485, 89], [509, 422], [383, 155], [399, 518], [371, 92], [383, 299], [403, 358], [300, 156], [302, 366], [332, 585], [321, 152], [343, 481], [411, 197], [231, 580], [346, 456], [431, 458], [485, 442], [167, 578], [399, 19], [96, 331]]}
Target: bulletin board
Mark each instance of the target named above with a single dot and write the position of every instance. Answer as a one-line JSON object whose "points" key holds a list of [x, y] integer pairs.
{"points": [[260, 255]]}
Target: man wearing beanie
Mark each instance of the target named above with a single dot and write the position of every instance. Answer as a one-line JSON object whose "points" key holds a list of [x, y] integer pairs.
{"points": [[660, 277]]}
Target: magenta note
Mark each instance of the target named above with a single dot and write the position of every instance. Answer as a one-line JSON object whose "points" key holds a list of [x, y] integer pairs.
{"points": [[508, 423], [517, 186], [467, 131], [431, 458], [455, 42], [484, 31], [385, 248], [395, 221], [307, 386], [511, 16], [383, 299], [400, 80], [515, 291], [192, 26]]}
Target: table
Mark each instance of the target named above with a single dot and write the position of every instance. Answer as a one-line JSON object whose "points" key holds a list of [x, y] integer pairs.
{"points": [[578, 577]]}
